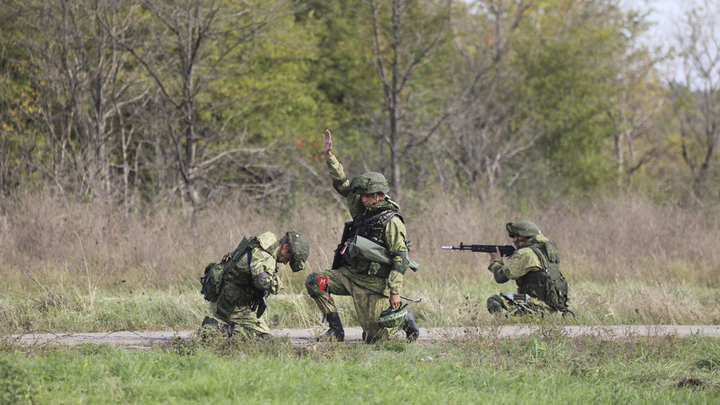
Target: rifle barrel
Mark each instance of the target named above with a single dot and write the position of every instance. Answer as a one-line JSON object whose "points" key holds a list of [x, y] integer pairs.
{"points": [[504, 250]]}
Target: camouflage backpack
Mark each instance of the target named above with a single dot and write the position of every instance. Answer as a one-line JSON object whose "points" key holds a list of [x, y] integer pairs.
{"points": [[212, 280]]}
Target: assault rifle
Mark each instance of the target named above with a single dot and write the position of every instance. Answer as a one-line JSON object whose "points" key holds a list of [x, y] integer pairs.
{"points": [[338, 259], [506, 250]]}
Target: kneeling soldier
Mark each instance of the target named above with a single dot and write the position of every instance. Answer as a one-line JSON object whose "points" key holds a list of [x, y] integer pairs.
{"points": [[237, 286], [371, 283]]}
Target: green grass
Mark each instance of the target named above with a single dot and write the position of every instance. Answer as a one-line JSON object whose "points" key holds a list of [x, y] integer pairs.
{"points": [[542, 368], [56, 308]]}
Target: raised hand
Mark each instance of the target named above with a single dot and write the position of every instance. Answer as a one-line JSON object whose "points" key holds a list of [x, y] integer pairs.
{"points": [[327, 143]]}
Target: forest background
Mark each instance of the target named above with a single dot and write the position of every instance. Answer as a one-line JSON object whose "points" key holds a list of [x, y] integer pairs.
{"points": [[140, 139]]}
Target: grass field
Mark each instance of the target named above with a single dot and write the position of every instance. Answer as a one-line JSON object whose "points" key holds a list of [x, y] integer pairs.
{"points": [[542, 368], [81, 268]]}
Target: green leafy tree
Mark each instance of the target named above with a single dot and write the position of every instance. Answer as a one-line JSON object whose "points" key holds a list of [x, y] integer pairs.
{"points": [[570, 56], [378, 65]]}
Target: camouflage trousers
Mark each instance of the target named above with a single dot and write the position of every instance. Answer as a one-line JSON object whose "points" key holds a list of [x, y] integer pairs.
{"points": [[246, 321], [496, 304], [368, 304]]}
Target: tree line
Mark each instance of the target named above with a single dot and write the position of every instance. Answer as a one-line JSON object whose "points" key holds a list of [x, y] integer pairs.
{"points": [[135, 101]]}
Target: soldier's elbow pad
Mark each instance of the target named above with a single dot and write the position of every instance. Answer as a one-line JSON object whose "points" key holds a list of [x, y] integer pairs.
{"points": [[337, 185], [400, 262], [264, 281], [500, 277]]}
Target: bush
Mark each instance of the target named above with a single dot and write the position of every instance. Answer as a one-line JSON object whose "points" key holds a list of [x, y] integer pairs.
{"points": [[15, 384]]}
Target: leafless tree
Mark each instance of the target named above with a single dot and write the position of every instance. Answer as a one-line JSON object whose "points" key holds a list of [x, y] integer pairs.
{"points": [[640, 105], [635, 121], [491, 125], [403, 45], [698, 40], [83, 83], [190, 43]]}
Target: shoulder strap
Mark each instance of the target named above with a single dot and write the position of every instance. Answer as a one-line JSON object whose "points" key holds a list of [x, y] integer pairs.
{"points": [[373, 218], [537, 249], [548, 253], [246, 245], [387, 215]]}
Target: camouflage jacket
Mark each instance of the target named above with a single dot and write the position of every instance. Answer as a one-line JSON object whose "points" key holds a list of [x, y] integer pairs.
{"points": [[394, 234], [520, 263]]}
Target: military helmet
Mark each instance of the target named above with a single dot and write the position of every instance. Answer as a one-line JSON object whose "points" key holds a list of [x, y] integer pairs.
{"points": [[369, 183], [522, 228], [300, 249], [390, 319]]}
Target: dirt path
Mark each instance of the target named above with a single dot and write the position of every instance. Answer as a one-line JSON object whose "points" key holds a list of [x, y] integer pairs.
{"points": [[353, 335]]}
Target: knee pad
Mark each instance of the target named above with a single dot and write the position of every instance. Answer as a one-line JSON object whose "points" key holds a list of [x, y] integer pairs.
{"points": [[495, 304], [312, 286]]}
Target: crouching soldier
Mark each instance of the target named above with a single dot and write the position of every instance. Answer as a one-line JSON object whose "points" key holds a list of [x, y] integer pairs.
{"points": [[535, 267], [237, 286]]}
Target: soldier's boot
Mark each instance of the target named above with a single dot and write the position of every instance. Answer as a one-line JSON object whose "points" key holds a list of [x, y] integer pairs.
{"points": [[377, 338], [213, 324], [336, 329], [264, 337], [412, 332], [227, 330], [210, 322], [208, 325]]}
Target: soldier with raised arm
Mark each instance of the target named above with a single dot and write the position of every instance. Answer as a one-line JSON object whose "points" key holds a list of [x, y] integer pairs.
{"points": [[373, 285]]}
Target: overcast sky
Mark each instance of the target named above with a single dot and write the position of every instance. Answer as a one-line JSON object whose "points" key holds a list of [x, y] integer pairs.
{"points": [[663, 13]]}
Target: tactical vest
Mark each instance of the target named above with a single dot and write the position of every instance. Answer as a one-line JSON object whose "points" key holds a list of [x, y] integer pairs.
{"points": [[547, 284], [371, 225]]}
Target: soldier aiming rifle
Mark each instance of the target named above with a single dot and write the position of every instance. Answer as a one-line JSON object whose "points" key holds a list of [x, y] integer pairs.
{"points": [[533, 262]]}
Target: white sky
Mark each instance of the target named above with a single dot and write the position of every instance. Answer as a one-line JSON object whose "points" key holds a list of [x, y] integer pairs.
{"points": [[665, 14]]}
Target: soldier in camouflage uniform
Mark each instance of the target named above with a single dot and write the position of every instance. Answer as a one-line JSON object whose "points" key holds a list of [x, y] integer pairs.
{"points": [[249, 274], [372, 285], [535, 267]]}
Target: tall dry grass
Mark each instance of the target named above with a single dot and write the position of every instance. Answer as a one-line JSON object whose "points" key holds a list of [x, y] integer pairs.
{"points": [[613, 251]]}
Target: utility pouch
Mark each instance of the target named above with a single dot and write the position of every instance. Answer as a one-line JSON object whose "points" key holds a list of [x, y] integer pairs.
{"points": [[229, 297], [212, 281]]}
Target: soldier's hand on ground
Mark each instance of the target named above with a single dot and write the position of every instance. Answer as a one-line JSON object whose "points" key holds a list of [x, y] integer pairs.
{"points": [[395, 301], [327, 143]]}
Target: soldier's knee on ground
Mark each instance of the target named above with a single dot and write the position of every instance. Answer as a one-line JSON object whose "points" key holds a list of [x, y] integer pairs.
{"points": [[495, 304], [312, 286], [382, 334]]}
